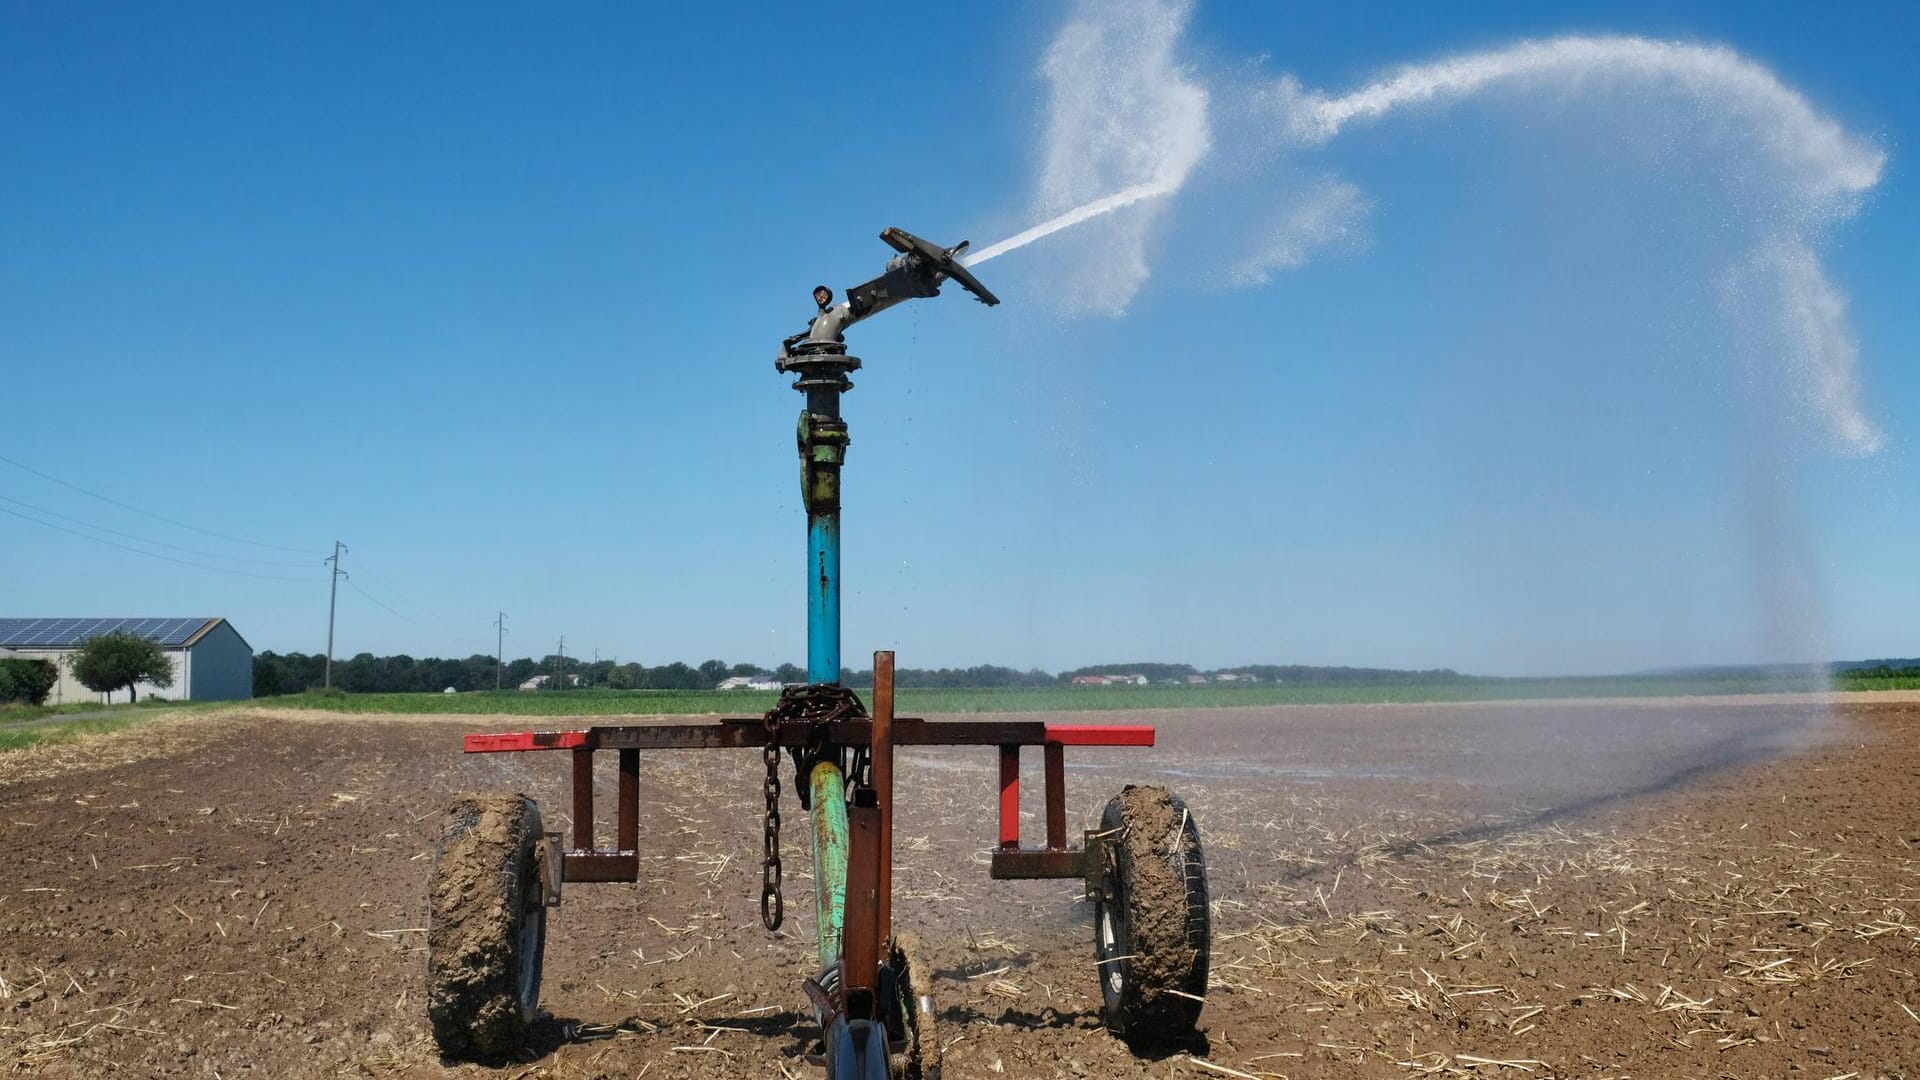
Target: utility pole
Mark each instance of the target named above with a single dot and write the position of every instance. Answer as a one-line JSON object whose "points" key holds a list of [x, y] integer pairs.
{"points": [[560, 680], [333, 600], [499, 648]]}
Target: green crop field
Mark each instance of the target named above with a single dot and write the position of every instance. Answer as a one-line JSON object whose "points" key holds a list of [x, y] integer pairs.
{"points": [[1860, 680], [1043, 699]]}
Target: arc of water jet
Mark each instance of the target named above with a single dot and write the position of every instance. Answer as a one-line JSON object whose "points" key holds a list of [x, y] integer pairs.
{"points": [[1104, 205], [1812, 147]]}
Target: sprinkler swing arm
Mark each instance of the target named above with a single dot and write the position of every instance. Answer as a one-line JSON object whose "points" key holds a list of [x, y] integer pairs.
{"points": [[871, 995], [916, 273]]}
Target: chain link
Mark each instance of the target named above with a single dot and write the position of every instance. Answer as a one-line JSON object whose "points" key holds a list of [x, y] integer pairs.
{"points": [[815, 706], [772, 908]]}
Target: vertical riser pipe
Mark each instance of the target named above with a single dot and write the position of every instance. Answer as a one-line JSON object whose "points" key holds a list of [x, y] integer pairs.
{"points": [[823, 598], [829, 792]]}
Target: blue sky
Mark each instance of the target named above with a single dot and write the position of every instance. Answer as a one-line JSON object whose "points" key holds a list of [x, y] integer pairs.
{"points": [[493, 297]]}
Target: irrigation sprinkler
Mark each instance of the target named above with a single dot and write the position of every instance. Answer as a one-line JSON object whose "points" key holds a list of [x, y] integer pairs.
{"points": [[497, 872]]}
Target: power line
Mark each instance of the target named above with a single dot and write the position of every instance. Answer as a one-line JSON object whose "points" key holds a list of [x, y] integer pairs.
{"points": [[152, 554], [148, 513], [144, 540], [384, 606], [453, 624]]}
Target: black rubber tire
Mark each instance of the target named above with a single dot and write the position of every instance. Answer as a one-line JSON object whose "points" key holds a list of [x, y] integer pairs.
{"points": [[487, 926], [1152, 929], [913, 981]]}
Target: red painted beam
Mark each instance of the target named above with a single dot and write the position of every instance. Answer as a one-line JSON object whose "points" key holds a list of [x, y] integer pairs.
{"points": [[525, 740], [1010, 796], [1100, 734]]}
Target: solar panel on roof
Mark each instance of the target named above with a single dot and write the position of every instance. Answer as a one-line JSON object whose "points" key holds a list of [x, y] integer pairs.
{"points": [[70, 633]]}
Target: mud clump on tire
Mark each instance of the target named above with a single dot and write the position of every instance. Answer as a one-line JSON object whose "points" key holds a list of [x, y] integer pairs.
{"points": [[1164, 896], [923, 1041], [485, 886]]}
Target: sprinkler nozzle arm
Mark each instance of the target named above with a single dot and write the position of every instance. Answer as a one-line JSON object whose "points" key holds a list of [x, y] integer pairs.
{"points": [[918, 271]]}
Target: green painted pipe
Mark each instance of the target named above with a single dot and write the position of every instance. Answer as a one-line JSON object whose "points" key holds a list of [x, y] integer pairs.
{"points": [[829, 790]]}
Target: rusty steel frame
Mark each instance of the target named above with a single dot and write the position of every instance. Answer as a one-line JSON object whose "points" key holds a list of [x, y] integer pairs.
{"points": [[882, 732], [868, 920]]}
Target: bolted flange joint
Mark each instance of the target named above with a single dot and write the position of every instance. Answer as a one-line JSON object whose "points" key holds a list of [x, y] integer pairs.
{"points": [[820, 365]]}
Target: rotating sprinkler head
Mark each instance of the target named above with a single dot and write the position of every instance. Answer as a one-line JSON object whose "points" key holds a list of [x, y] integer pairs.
{"points": [[919, 270]]}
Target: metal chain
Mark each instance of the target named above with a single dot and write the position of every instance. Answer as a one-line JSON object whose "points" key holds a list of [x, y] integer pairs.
{"points": [[814, 706], [772, 908]]}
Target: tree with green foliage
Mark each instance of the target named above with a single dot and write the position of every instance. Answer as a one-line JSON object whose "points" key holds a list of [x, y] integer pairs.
{"points": [[110, 661], [678, 676], [26, 681]]}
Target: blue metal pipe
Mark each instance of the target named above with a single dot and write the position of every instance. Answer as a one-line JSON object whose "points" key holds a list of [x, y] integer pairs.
{"points": [[823, 445], [823, 598]]}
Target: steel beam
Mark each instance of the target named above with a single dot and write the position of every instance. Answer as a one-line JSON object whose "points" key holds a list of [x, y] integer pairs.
{"points": [[1028, 863], [737, 732], [583, 798], [883, 780], [1056, 776], [1010, 796], [862, 941], [627, 834], [599, 866]]}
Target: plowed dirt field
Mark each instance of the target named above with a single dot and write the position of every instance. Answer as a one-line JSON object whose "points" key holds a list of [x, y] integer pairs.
{"points": [[1710, 887]]}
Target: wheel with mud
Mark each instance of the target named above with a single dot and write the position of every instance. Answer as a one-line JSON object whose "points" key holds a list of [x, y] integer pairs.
{"points": [[913, 985], [487, 926], [1151, 926]]}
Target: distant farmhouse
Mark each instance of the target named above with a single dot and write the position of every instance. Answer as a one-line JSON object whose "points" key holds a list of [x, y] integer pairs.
{"points": [[749, 682], [211, 661], [539, 682]]}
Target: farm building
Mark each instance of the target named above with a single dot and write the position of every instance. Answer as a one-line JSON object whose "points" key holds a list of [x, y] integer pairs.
{"points": [[211, 661]]}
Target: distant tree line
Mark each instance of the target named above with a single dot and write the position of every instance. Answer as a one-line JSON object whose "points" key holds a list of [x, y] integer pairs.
{"points": [[1290, 674], [365, 673], [982, 675], [291, 673], [1882, 671]]}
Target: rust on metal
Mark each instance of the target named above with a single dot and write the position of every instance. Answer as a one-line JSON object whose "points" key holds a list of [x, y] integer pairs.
{"points": [[551, 873], [883, 785], [583, 798], [861, 941], [1028, 863], [627, 834], [735, 732], [1056, 774], [881, 733], [600, 866]]}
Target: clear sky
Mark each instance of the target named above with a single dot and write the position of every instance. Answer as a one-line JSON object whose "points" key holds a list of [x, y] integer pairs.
{"points": [[492, 295]]}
